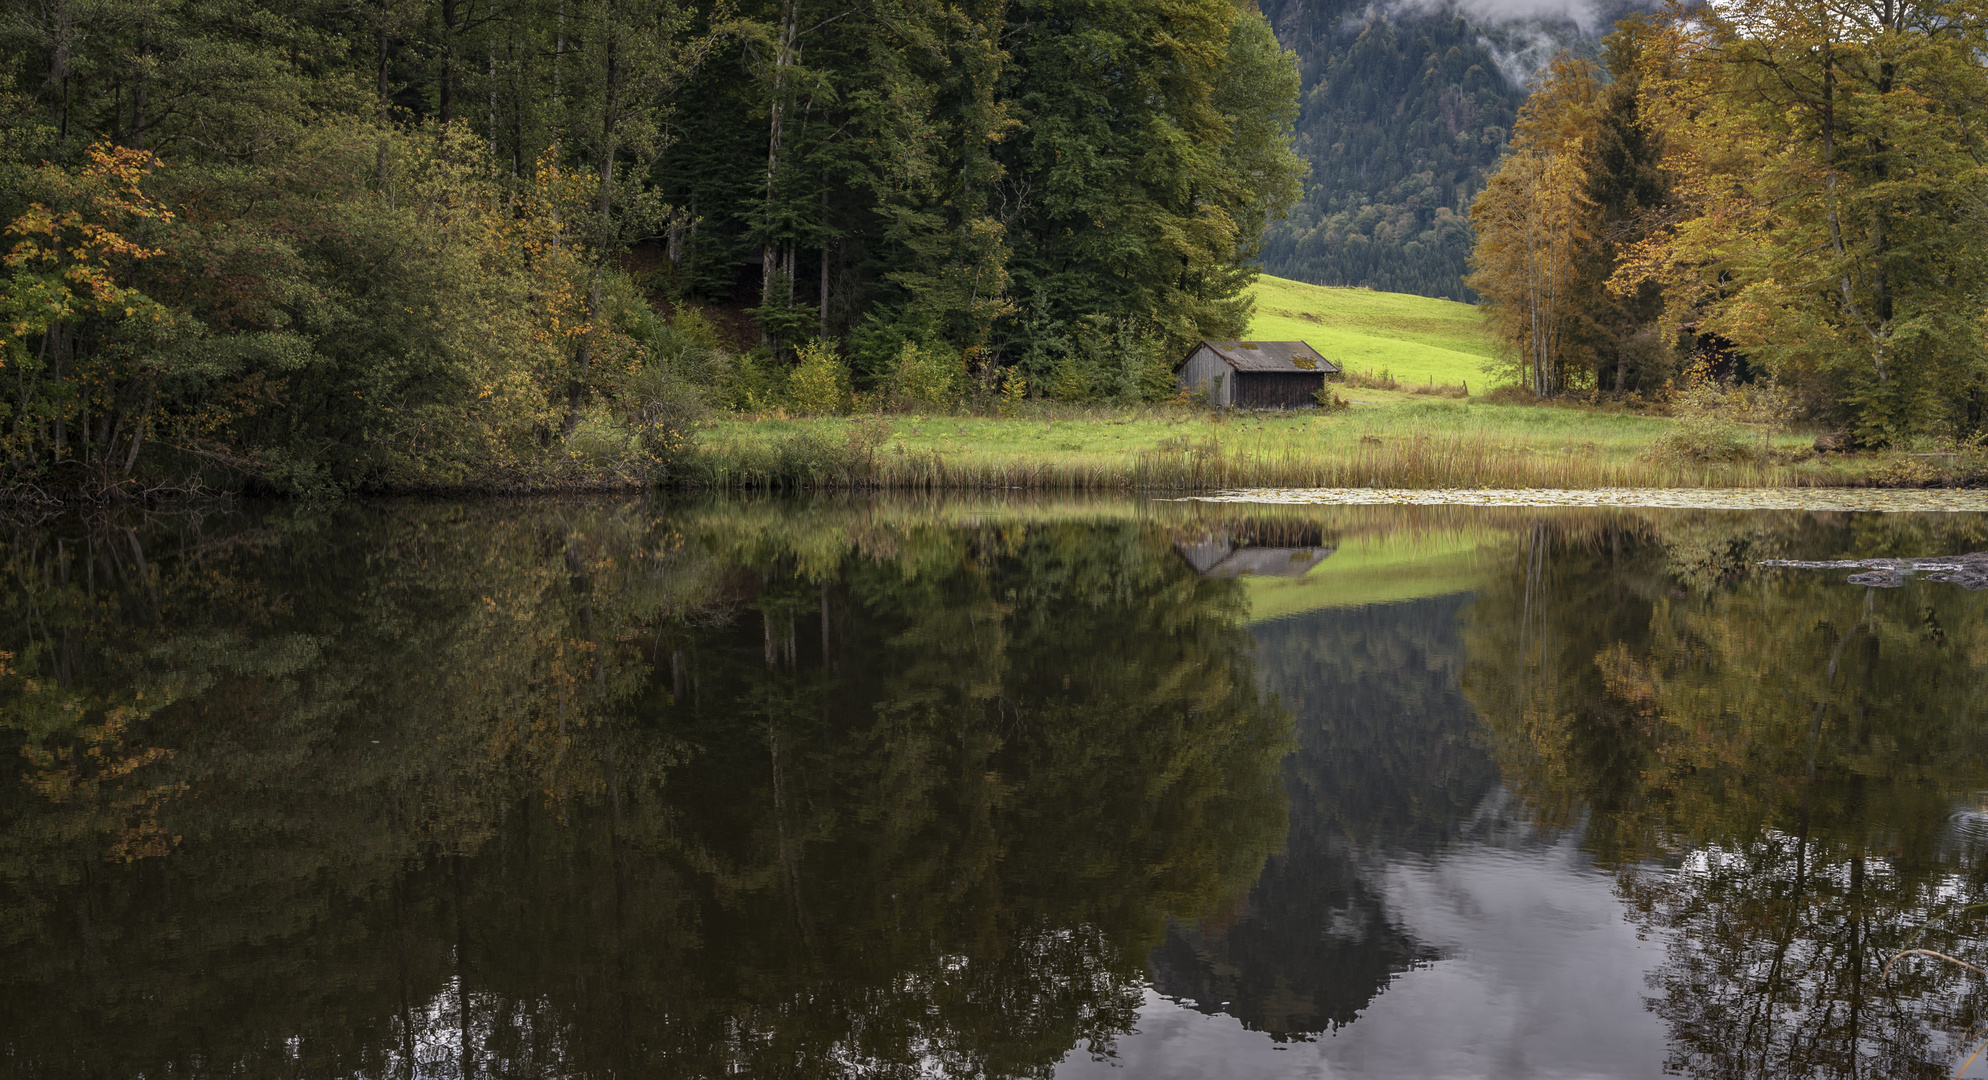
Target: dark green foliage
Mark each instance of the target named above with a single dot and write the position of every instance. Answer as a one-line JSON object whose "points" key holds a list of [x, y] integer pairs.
{"points": [[1626, 191], [351, 230], [1401, 119]]}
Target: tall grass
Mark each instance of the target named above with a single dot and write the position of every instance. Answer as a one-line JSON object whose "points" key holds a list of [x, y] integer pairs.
{"points": [[812, 459]]}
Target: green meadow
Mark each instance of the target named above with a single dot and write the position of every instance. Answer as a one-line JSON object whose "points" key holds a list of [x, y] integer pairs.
{"points": [[1415, 338], [1384, 439]]}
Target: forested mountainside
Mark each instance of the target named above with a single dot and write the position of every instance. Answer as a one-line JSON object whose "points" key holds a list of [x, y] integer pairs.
{"points": [[1402, 116]]}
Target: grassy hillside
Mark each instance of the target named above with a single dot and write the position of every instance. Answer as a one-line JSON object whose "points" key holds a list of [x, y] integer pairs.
{"points": [[1416, 338]]}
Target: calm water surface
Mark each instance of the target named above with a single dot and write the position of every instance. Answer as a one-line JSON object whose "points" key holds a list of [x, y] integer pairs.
{"points": [[971, 788]]}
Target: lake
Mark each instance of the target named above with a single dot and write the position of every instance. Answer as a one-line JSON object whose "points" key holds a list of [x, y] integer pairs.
{"points": [[983, 787]]}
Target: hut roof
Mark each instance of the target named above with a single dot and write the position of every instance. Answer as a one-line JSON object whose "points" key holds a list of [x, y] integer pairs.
{"points": [[1219, 555], [1271, 356]]}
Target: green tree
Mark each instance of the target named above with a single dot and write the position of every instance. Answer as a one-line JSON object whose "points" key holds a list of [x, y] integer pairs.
{"points": [[1829, 170], [1137, 206]]}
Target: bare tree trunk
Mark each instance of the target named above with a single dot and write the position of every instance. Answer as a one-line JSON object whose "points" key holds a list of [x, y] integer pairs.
{"points": [[783, 58], [381, 39], [558, 71], [445, 107], [490, 55], [139, 427], [604, 235], [58, 68], [138, 97]]}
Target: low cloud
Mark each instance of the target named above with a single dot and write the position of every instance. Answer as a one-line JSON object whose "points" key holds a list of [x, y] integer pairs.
{"points": [[1581, 14], [1522, 36]]}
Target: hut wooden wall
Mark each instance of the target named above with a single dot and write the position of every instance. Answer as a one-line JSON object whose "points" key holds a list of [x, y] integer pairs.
{"points": [[1203, 368], [1277, 389]]}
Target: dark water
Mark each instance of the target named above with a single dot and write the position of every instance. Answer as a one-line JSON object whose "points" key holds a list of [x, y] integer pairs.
{"points": [[983, 789]]}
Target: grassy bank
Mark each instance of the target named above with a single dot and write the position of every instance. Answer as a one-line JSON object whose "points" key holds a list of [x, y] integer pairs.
{"points": [[1385, 439], [1417, 339]]}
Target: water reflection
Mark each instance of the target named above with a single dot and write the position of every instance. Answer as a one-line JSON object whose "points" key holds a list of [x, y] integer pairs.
{"points": [[984, 788]]}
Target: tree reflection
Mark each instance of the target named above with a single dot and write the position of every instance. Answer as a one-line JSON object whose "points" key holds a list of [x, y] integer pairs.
{"points": [[1789, 744], [590, 789], [1388, 758]]}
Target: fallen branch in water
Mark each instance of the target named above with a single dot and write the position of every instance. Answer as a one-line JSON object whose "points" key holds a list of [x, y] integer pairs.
{"points": [[1927, 952]]}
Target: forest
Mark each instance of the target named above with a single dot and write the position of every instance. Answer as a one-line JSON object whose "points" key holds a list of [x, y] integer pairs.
{"points": [[1786, 198], [1401, 119], [513, 244]]}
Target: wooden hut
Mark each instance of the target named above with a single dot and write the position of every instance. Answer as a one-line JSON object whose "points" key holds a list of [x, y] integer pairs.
{"points": [[1220, 554], [1257, 374]]}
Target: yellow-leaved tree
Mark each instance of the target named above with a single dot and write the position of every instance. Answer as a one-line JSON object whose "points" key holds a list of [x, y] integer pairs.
{"points": [[80, 394], [1829, 169], [1533, 227]]}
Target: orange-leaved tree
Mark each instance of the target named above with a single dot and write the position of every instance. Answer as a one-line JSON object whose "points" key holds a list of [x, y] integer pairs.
{"points": [[77, 393], [1534, 231]]}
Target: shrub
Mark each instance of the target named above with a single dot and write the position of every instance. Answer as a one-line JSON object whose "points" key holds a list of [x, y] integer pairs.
{"points": [[680, 372], [819, 385], [1707, 411], [1703, 438], [925, 379], [1014, 391], [1100, 359], [758, 384], [1328, 399]]}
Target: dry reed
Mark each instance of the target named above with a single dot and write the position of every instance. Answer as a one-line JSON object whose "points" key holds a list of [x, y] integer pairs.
{"points": [[1430, 460]]}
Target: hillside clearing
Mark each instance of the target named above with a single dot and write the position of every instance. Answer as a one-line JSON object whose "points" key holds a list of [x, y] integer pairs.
{"points": [[1417, 339]]}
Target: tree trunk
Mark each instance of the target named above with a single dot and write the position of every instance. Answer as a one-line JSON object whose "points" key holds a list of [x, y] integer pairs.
{"points": [[58, 69], [783, 57], [604, 233], [491, 57], [138, 97]]}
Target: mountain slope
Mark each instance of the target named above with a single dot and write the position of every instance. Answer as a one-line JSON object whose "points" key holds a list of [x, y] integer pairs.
{"points": [[1403, 112], [1401, 122]]}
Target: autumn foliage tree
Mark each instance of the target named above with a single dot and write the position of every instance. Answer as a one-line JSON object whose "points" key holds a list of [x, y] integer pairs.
{"points": [[1799, 185], [1829, 163], [82, 386], [1534, 230]]}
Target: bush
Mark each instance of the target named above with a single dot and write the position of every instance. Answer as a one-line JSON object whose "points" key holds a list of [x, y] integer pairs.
{"points": [[819, 385], [1014, 391], [1704, 438], [758, 384], [1707, 411], [925, 379], [1098, 359]]}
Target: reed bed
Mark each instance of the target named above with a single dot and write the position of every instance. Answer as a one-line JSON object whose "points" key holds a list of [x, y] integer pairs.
{"points": [[816, 460]]}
